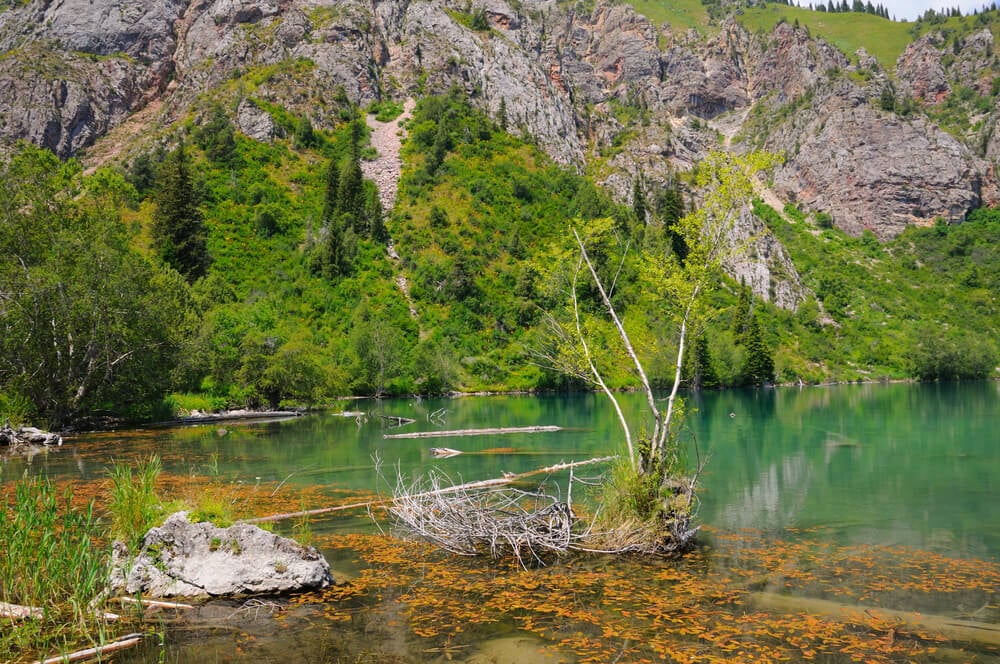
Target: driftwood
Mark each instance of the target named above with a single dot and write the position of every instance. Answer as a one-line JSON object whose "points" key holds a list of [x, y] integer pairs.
{"points": [[475, 432], [229, 416], [152, 603], [18, 612], [100, 651], [905, 621], [398, 421], [26, 437], [443, 452], [507, 479]]}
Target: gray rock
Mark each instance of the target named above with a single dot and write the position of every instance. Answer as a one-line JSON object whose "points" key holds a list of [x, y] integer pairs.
{"points": [[858, 163], [254, 121], [920, 72], [187, 559], [27, 437]]}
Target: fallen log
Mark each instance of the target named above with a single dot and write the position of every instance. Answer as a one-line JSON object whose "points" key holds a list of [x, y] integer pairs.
{"points": [[99, 651], [398, 421], [905, 621], [18, 612], [152, 603], [443, 452], [508, 478], [475, 432]]}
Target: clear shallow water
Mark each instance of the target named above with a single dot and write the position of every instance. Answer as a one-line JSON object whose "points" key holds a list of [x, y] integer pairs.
{"points": [[913, 466]]}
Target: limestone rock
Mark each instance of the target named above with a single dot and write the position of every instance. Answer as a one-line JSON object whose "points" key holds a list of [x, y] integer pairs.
{"points": [[187, 559], [920, 72], [254, 121], [857, 163]]}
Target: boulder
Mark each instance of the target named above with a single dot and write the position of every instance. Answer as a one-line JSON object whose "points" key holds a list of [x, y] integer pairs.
{"points": [[187, 559], [27, 437], [255, 122]]}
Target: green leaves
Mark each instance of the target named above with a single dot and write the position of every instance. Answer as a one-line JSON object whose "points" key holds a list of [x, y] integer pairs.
{"points": [[87, 320]]}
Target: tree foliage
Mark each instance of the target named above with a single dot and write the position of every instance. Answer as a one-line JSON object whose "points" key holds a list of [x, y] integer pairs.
{"points": [[87, 321], [178, 230]]}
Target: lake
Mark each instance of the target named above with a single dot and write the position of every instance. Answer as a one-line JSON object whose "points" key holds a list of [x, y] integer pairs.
{"points": [[843, 523]]}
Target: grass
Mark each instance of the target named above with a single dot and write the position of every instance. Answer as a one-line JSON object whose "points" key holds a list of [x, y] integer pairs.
{"points": [[135, 507], [680, 14], [48, 560], [884, 39]]}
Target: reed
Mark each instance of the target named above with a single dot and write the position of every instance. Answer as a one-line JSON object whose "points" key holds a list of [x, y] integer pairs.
{"points": [[49, 562], [135, 508]]}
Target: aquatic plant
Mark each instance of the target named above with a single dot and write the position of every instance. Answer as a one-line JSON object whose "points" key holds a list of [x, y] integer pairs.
{"points": [[50, 567], [134, 506]]}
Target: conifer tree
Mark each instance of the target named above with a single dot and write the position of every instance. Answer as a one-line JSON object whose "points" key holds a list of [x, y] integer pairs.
{"points": [[502, 114], [758, 364], [638, 200], [331, 195], [698, 368], [741, 317], [178, 229]]}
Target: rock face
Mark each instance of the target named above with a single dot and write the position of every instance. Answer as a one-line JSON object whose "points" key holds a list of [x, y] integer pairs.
{"points": [[585, 84], [920, 72], [74, 69], [857, 163], [187, 559]]}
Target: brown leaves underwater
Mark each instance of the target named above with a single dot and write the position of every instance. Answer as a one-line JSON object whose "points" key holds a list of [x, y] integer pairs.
{"points": [[704, 608], [744, 596]]}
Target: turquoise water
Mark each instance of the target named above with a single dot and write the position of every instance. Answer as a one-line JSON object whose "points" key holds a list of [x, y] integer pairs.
{"points": [[902, 465], [910, 464]]}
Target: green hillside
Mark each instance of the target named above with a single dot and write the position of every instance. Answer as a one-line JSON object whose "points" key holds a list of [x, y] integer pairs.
{"points": [[679, 15], [848, 31], [301, 301]]}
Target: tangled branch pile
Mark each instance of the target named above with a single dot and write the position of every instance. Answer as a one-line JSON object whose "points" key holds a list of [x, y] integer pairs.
{"points": [[493, 517], [485, 517]]}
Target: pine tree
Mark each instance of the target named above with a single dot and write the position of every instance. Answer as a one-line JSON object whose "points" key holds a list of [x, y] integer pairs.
{"points": [[698, 368], [502, 114], [671, 207], [741, 317], [638, 200], [758, 364], [351, 193], [178, 230], [331, 195]]}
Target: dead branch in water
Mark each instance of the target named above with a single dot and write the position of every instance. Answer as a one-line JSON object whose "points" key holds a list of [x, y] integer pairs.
{"points": [[482, 484], [495, 519], [474, 432]]}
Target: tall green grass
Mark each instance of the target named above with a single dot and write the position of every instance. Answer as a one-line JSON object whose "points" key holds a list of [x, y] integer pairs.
{"points": [[134, 507], [48, 561]]}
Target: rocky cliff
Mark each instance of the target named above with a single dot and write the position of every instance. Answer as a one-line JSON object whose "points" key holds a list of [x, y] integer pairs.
{"points": [[602, 87]]}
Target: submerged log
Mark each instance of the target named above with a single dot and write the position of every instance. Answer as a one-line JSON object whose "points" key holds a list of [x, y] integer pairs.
{"points": [[906, 621], [475, 432]]}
